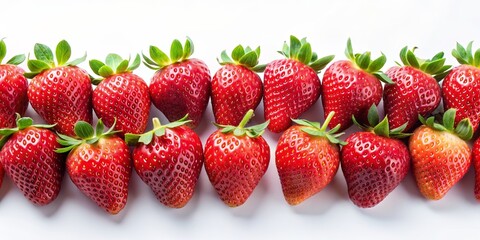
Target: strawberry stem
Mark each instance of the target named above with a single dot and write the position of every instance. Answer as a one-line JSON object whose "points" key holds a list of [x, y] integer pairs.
{"points": [[245, 119], [327, 121], [156, 123]]}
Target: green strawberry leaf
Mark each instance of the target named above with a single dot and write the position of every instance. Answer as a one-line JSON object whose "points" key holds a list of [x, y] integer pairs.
{"points": [[135, 64], [476, 58], [146, 138], [349, 50], [105, 71], [295, 45], [3, 50], [449, 119], [122, 67], [77, 61], [160, 132], [176, 51], [383, 77], [412, 60], [305, 53], [159, 57], [188, 48], [113, 60], [63, 52], [37, 66], [43, 53], [363, 60], [16, 60], [249, 60], [237, 53], [373, 118], [321, 63], [382, 128], [464, 129], [377, 64], [95, 65], [84, 130]]}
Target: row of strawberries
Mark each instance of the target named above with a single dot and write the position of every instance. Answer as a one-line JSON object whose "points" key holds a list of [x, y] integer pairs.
{"points": [[169, 157]]}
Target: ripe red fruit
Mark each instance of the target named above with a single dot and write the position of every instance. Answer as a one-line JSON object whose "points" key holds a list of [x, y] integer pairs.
{"points": [[29, 158], [461, 87], [120, 96], [373, 161], [415, 90], [350, 87], [476, 164], [236, 87], [61, 94], [168, 159], [13, 89], [440, 154], [99, 165], [307, 159], [292, 85], [181, 85], [236, 158]]}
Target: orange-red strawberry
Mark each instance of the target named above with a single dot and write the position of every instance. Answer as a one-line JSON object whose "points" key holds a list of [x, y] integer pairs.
{"points": [[461, 87], [236, 87], [29, 158], [13, 89], [120, 96], [440, 154], [180, 85], [292, 85], [307, 159], [415, 90], [373, 161], [350, 87], [99, 165], [476, 164], [168, 159], [61, 94], [236, 158]]}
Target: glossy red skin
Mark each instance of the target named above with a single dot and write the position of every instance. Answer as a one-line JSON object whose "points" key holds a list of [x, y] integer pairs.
{"points": [[102, 172], [413, 93], [373, 167], [476, 165], [2, 173], [235, 165], [182, 88], [30, 160], [235, 90], [13, 94], [461, 90], [170, 165], [440, 160], [348, 90], [62, 96], [123, 97], [305, 164], [291, 88]]}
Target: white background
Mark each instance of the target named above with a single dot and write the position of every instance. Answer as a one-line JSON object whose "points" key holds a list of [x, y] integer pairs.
{"points": [[126, 27]]}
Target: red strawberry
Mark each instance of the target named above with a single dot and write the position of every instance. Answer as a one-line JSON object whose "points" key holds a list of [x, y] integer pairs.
{"points": [[2, 172], [351, 86], [120, 95], [29, 158], [292, 85], [169, 159], [99, 165], [181, 85], [461, 87], [236, 158], [373, 162], [476, 163], [440, 154], [13, 89], [236, 87], [307, 159], [415, 90], [60, 94]]}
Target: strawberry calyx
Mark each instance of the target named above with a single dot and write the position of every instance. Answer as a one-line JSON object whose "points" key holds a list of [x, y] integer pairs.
{"points": [[435, 66], [22, 123], [114, 64], [301, 50], [158, 130], [463, 130], [465, 56], [85, 134], [178, 53], [381, 128], [364, 62], [15, 60], [45, 59], [243, 56], [241, 130], [314, 129]]}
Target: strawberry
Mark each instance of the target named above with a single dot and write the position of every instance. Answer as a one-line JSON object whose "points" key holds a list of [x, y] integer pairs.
{"points": [[476, 164], [61, 94], [292, 85], [98, 164], [120, 95], [415, 90], [461, 87], [351, 86], [180, 85], [374, 162], [13, 88], [440, 154], [29, 158], [169, 159], [236, 87], [236, 158], [307, 159]]}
